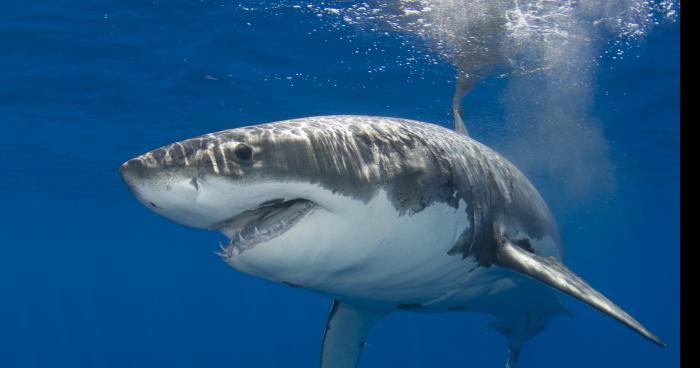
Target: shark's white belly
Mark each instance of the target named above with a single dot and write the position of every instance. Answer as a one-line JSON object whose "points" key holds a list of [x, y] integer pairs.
{"points": [[369, 253]]}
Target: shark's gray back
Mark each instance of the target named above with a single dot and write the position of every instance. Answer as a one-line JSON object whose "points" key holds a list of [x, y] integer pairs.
{"points": [[418, 164]]}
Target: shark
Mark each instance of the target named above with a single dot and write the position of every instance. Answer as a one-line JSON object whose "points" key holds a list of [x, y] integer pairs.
{"points": [[380, 214]]}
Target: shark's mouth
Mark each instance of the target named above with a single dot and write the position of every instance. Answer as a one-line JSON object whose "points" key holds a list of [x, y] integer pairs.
{"points": [[262, 224]]}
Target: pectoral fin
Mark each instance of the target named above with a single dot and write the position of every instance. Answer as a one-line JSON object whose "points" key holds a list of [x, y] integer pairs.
{"points": [[550, 271], [513, 356], [345, 335]]}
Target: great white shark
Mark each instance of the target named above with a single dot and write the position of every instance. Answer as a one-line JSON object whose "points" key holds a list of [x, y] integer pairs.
{"points": [[381, 214]]}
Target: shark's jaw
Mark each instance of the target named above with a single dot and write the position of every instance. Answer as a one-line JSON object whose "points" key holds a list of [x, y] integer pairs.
{"points": [[259, 225], [249, 214]]}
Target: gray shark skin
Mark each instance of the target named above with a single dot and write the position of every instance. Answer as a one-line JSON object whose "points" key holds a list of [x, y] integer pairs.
{"points": [[381, 214]]}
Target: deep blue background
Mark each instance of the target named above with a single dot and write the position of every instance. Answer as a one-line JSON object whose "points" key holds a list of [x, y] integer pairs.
{"points": [[90, 278]]}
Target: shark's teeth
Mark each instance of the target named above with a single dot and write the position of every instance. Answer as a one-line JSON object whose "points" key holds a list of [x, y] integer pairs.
{"points": [[223, 251], [260, 226]]}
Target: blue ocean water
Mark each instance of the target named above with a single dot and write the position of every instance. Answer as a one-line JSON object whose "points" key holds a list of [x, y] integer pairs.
{"points": [[90, 278]]}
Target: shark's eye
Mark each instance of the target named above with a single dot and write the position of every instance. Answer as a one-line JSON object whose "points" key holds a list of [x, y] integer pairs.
{"points": [[243, 152]]}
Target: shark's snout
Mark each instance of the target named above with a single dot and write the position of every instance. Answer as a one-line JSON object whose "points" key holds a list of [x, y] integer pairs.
{"points": [[131, 170], [130, 166], [169, 191]]}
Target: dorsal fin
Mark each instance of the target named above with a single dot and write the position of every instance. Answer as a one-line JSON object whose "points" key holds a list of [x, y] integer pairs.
{"points": [[465, 83], [550, 271]]}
